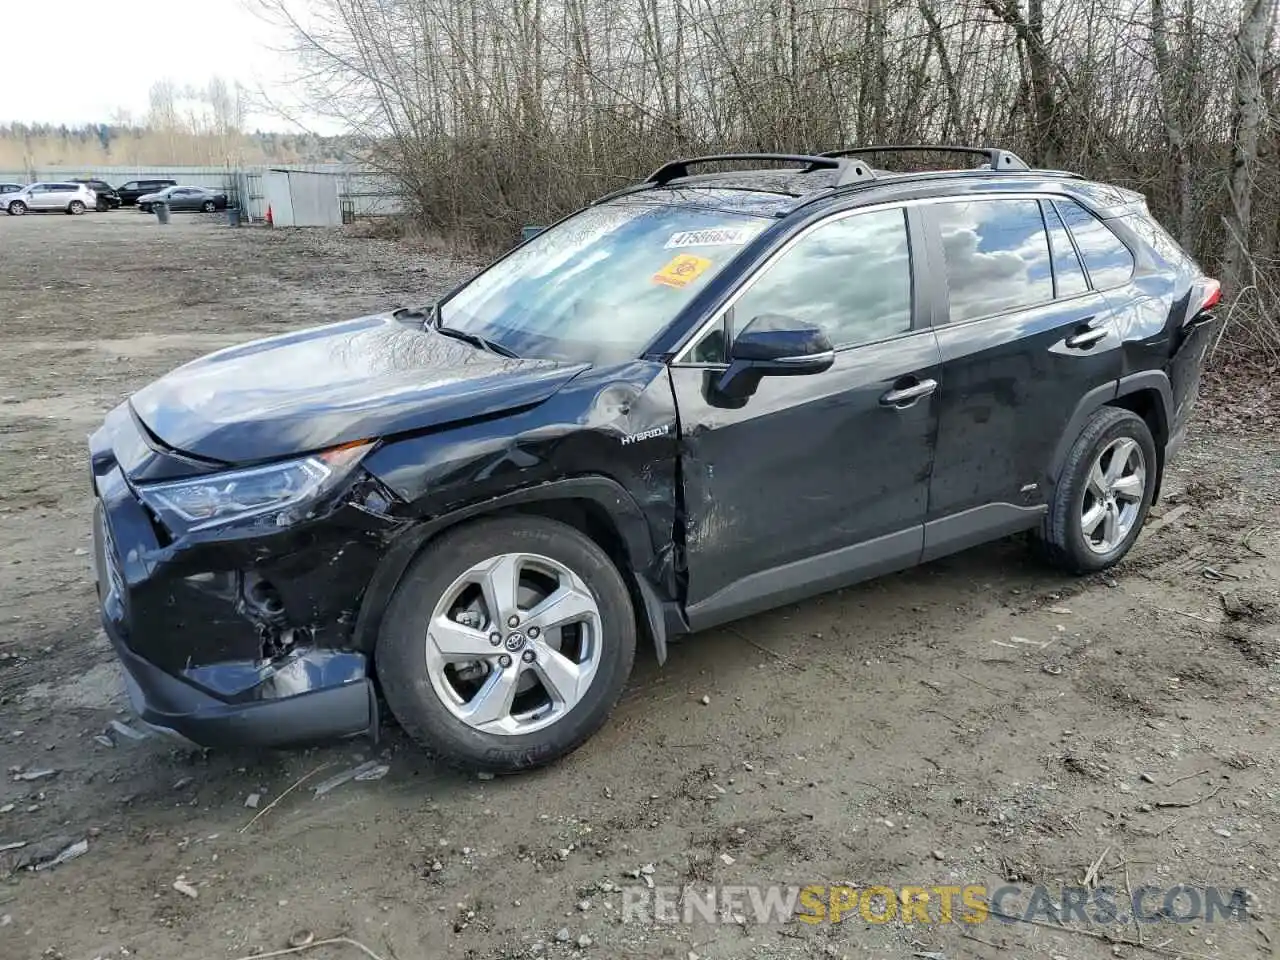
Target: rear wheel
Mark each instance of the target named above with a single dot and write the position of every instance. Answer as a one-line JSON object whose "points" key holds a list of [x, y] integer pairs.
{"points": [[75, 208], [507, 643], [17, 208], [1103, 494]]}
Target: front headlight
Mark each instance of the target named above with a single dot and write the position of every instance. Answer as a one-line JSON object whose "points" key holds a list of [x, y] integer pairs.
{"points": [[284, 489]]}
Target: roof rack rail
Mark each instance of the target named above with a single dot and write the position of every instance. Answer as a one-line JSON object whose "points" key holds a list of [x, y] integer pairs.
{"points": [[846, 171], [997, 158]]}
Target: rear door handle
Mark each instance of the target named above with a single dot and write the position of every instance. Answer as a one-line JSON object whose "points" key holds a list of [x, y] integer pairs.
{"points": [[1086, 337], [906, 396]]}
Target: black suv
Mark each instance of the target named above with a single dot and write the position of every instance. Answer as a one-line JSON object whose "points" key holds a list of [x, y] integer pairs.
{"points": [[131, 191], [108, 197], [700, 397]]}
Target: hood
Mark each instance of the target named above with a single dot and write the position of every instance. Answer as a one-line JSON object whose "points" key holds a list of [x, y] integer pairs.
{"points": [[324, 386]]}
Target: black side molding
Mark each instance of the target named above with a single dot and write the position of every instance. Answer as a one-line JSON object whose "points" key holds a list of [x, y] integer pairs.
{"points": [[808, 577]]}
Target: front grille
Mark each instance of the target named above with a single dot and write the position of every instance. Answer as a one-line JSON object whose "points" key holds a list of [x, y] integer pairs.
{"points": [[105, 561]]}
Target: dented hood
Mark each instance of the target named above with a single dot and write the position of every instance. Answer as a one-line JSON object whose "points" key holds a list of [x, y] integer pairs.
{"points": [[366, 378]]}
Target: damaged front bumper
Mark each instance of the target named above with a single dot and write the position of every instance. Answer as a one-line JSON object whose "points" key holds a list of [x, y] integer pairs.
{"points": [[241, 638]]}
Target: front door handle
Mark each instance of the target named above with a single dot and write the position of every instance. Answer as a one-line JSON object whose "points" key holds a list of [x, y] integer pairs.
{"points": [[905, 396], [1085, 338]]}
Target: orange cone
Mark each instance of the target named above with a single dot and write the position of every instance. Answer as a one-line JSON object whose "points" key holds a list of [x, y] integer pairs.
{"points": [[270, 222]]}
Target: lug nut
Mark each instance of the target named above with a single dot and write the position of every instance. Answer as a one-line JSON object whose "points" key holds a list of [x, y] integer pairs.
{"points": [[528, 656], [504, 661], [513, 621], [495, 639], [534, 633]]}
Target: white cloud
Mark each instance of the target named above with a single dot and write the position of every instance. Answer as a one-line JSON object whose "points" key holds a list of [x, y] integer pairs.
{"points": [[123, 47]]}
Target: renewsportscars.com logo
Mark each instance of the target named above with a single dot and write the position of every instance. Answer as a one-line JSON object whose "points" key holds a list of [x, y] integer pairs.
{"points": [[938, 904]]}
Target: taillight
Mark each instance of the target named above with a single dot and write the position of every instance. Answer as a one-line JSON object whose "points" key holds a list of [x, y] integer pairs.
{"points": [[1212, 294]]}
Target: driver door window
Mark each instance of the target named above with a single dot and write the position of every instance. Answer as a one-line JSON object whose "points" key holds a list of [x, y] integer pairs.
{"points": [[851, 277]]}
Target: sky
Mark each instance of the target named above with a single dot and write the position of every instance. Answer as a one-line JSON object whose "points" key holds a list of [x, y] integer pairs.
{"points": [[92, 82]]}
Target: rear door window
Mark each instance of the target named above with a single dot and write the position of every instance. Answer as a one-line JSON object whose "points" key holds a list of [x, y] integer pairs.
{"points": [[1108, 261], [1068, 275], [996, 254]]}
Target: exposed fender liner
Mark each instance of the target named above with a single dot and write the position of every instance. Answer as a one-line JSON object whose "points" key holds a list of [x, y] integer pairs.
{"points": [[609, 494], [1088, 405], [656, 616], [968, 528], [806, 578], [1156, 380]]}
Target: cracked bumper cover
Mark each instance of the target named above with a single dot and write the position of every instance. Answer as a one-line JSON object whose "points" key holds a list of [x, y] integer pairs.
{"points": [[206, 665], [175, 708]]}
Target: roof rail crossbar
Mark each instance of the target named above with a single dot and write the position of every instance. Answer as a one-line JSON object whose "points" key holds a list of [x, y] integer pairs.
{"points": [[997, 158], [847, 172]]}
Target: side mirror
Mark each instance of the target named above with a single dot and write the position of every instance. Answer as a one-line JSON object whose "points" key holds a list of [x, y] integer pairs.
{"points": [[774, 345]]}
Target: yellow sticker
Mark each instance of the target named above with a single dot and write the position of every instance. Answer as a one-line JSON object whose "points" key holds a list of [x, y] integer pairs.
{"points": [[682, 271]]}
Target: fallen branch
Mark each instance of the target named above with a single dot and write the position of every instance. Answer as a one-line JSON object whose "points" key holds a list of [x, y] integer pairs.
{"points": [[1189, 776], [294, 786], [1104, 937], [1091, 875], [1168, 804], [331, 941]]}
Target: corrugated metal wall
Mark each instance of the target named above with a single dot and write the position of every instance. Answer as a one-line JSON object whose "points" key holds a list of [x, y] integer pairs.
{"points": [[370, 194]]}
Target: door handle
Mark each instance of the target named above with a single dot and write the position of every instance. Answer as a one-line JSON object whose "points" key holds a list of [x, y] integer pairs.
{"points": [[903, 397], [1087, 337]]}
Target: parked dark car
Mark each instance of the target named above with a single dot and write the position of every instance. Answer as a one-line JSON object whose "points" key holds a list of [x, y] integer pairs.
{"points": [[701, 397], [185, 198], [108, 197], [131, 191]]}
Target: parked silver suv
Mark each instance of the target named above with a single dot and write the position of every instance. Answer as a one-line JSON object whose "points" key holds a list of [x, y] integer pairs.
{"points": [[74, 198]]}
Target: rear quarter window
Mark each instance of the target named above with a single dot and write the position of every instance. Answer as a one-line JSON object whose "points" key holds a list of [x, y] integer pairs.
{"points": [[1107, 259], [1159, 241]]}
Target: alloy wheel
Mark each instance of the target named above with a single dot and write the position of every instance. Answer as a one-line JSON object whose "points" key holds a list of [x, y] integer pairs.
{"points": [[514, 644], [1113, 495]]}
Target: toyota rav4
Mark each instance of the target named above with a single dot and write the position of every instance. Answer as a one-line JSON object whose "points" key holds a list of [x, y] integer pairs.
{"points": [[701, 397]]}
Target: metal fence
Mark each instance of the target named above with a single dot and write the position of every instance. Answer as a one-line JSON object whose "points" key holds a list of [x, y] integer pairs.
{"points": [[363, 192]]}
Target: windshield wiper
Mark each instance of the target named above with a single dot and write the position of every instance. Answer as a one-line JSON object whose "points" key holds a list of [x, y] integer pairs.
{"points": [[477, 341]]}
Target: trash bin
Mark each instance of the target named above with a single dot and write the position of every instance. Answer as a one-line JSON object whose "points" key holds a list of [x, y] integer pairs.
{"points": [[161, 210], [233, 216]]}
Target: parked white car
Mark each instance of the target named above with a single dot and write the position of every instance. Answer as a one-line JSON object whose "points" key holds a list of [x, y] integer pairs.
{"points": [[73, 198]]}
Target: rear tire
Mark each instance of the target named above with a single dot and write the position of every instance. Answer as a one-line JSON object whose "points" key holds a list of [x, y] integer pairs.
{"points": [[75, 208], [588, 660], [1103, 493], [17, 208]]}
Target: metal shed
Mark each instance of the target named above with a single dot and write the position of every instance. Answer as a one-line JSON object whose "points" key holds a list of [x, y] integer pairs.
{"points": [[299, 198]]}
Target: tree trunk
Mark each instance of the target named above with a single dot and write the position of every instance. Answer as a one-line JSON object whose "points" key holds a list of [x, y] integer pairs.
{"points": [[1173, 106], [1246, 124]]}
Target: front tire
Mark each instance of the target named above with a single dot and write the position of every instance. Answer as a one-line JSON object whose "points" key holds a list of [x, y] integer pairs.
{"points": [[17, 208], [1103, 493], [208, 206], [507, 643], [102, 206], [75, 208]]}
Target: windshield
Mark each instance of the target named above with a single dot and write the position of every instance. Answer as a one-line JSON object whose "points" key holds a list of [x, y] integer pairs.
{"points": [[602, 284]]}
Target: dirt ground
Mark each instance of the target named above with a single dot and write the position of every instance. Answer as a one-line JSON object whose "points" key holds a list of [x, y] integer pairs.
{"points": [[980, 720]]}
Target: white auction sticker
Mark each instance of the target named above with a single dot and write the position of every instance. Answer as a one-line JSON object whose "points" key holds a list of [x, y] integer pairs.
{"points": [[713, 237]]}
